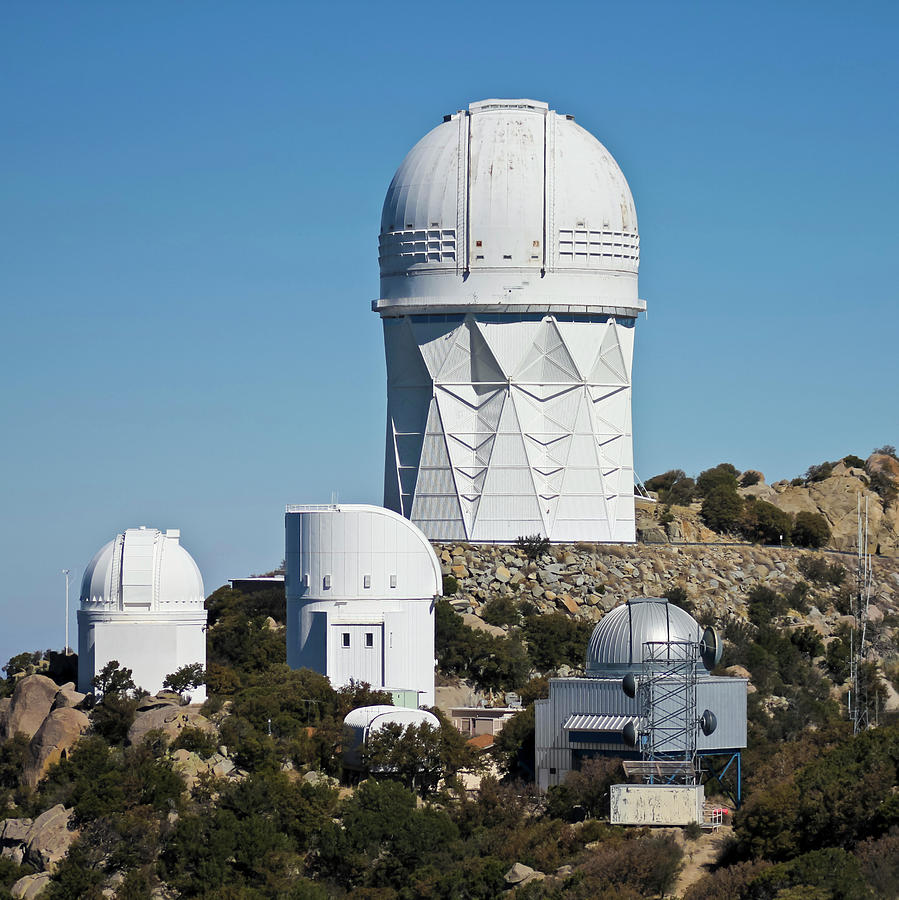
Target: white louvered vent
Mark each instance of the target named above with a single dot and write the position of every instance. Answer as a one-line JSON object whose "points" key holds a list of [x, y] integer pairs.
{"points": [[584, 247]]}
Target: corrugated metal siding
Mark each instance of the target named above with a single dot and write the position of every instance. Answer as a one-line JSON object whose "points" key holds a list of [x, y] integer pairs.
{"points": [[594, 697], [726, 698]]}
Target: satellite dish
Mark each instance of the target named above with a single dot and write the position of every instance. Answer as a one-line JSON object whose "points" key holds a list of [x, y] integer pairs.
{"points": [[710, 648], [629, 685], [629, 733], [708, 722]]}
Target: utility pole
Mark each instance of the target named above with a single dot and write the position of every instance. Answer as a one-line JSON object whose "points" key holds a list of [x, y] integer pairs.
{"points": [[66, 573]]}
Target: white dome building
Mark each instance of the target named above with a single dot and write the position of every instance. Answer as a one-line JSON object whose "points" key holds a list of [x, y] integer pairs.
{"points": [[142, 604], [509, 254], [361, 582]]}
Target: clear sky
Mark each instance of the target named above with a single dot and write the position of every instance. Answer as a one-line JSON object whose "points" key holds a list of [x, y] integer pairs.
{"points": [[190, 198]]}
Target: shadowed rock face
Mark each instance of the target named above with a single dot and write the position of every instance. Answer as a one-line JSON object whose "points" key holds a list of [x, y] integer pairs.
{"points": [[56, 736], [31, 703], [41, 843], [46, 713]]}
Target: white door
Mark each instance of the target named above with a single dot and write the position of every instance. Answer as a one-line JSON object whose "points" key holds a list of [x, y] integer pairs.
{"points": [[357, 652]]}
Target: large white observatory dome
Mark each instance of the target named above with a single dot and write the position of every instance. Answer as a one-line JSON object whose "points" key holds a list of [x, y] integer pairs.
{"points": [[616, 645], [504, 203], [142, 569]]}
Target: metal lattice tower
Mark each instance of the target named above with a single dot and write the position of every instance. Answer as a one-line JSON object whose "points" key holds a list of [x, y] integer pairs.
{"points": [[668, 709], [858, 698]]}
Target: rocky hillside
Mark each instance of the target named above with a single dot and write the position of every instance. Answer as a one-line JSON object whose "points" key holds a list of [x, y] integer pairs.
{"points": [[585, 581], [829, 489]]}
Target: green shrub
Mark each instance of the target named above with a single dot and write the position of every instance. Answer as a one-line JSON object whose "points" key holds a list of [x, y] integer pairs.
{"points": [[853, 461], [555, 640], [195, 740], [810, 530], [450, 585], [765, 604], [750, 478], [764, 522], [819, 472], [722, 508], [533, 545], [500, 611], [724, 475], [673, 487]]}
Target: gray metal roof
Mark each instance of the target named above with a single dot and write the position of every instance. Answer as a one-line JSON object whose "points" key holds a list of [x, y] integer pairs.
{"points": [[616, 644]]}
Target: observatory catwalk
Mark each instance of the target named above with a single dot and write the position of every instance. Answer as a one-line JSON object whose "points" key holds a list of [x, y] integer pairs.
{"points": [[508, 255]]}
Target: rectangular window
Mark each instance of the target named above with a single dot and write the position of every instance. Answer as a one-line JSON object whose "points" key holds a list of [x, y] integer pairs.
{"points": [[393, 581], [327, 582], [346, 639], [369, 639], [366, 581]]}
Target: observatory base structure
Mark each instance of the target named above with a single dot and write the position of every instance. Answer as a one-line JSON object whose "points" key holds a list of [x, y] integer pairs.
{"points": [[505, 425]]}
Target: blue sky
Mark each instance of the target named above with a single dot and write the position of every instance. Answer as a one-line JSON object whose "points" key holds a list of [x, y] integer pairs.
{"points": [[189, 204]]}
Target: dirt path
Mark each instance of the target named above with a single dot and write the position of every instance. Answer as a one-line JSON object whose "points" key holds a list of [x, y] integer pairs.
{"points": [[699, 855]]}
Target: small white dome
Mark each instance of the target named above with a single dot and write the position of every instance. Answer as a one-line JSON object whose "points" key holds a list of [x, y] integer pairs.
{"points": [[509, 186], [616, 645], [142, 569]]}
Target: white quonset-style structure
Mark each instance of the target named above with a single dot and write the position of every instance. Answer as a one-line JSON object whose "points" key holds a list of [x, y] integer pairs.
{"points": [[364, 721], [509, 254], [648, 640], [142, 604], [361, 586]]}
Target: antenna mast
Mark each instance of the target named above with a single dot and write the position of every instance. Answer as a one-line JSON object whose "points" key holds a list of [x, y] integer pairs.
{"points": [[863, 577]]}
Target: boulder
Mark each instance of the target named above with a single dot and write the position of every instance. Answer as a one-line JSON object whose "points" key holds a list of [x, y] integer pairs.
{"points": [[15, 831], [472, 621], [170, 720], [157, 701], [32, 701], [67, 696], [30, 886], [49, 838], [14, 853], [58, 734], [503, 574], [521, 874]]}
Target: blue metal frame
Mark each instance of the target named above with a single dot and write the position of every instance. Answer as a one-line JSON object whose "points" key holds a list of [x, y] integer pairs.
{"points": [[736, 756]]}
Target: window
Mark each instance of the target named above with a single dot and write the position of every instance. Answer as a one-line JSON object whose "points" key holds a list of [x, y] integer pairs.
{"points": [[346, 639], [366, 581], [369, 639], [393, 581], [327, 582]]}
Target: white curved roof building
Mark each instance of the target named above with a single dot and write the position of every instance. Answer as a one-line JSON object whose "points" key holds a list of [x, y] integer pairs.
{"points": [[142, 602], [365, 720], [509, 252], [361, 583]]}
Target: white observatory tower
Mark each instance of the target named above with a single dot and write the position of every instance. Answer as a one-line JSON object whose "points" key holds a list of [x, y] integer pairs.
{"points": [[142, 604], [361, 583], [509, 254]]}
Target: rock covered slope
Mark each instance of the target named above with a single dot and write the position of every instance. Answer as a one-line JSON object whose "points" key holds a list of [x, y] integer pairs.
{"points": [[587, 580], [830, 489]]}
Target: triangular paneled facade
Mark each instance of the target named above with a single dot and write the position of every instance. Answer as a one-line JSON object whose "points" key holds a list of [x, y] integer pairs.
{"points": [[505, 426]]}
